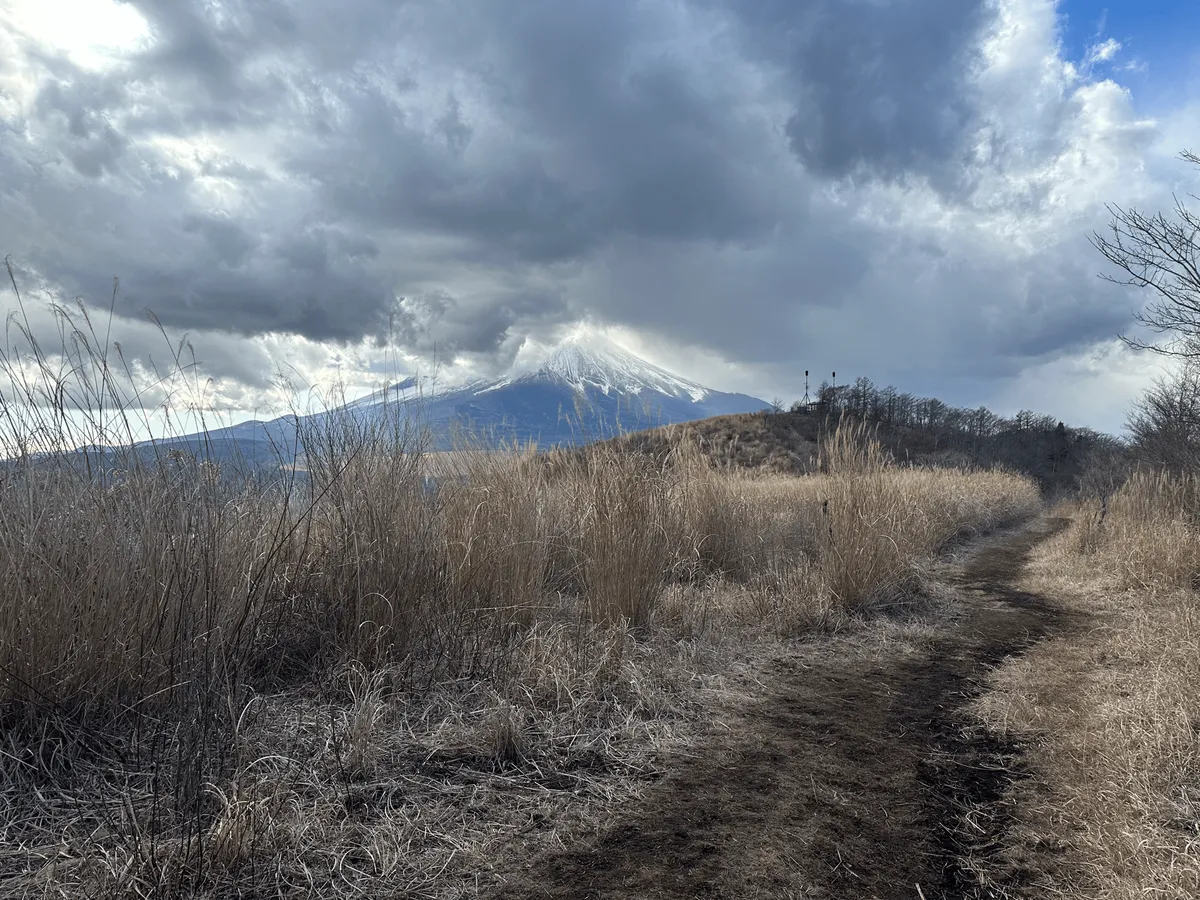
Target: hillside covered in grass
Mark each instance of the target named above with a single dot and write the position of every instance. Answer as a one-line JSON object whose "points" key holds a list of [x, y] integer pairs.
{"points": [[917, 432]]}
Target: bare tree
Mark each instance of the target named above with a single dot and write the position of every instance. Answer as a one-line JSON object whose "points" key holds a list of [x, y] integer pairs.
{"points": [[1162, 253], [1108, 466], [1164, 425]]}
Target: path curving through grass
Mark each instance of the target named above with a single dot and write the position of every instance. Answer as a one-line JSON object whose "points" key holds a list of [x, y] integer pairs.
{"points": [[858, 773]]}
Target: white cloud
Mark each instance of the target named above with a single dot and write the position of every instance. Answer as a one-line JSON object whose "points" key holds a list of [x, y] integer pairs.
{"points": [[96, 34], [1105, 51], [1095, 387]]}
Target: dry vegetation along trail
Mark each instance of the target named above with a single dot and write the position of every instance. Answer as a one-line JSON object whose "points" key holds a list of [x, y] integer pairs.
{"points": [[858, 774]]}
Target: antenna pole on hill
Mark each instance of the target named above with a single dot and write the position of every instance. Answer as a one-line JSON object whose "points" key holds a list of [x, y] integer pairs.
{"points": [[806, 400]]}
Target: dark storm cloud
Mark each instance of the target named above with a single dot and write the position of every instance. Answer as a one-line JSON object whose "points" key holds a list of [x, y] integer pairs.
{"points": [[304, 283], [261, 268], [404, 178], [210, 62], [462, 175], [228, 242], [595, 133], [652, 125], [577, 124], [435, 321], [75, 114], [881, 87]]}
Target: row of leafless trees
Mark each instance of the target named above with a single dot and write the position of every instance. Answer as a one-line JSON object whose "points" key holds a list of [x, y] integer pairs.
{"points": [[927, 429], [864, 400]]}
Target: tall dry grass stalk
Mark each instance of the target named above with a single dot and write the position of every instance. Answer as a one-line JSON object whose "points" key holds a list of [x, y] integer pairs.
{"points": [[623, 536]]}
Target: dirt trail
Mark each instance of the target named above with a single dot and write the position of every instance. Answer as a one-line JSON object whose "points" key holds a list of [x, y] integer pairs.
{"points": [[857, 775]]}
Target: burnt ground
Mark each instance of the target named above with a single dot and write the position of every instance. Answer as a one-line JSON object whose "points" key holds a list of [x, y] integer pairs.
{"points": [[857, 774]]}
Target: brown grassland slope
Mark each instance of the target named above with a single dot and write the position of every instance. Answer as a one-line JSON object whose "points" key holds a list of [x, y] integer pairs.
{"points": [[1109, 713], [787, 442]]}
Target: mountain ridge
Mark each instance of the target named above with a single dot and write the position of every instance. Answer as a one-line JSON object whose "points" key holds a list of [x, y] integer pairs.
{"points": [[586, 389]]}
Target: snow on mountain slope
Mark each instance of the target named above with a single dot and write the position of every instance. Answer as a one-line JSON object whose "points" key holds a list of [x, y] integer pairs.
{"points": [[601, 364], [586, 389]]}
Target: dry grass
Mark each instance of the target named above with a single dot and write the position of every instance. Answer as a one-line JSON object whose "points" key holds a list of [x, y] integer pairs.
{"points": [[358, 680], [1110, 712], [784, 445], [365, 789], [878, 519]]}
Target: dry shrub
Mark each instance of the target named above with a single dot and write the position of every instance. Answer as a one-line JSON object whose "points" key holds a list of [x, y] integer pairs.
{"points": [[427, 561], [839, 539], [496, 534], [714, 523], [505, 740], [375, 564], [852, 449], [360, 733], [244, 827], [131, 584], [607, 528], [1147, 531], [462, 775], [795, 599]]}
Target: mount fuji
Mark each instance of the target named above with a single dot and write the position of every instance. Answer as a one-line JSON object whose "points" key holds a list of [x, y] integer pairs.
{"points": [[587, 389]]}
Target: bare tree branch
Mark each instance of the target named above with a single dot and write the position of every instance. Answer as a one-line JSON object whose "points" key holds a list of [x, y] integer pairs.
{"points": [[1160, 254]]}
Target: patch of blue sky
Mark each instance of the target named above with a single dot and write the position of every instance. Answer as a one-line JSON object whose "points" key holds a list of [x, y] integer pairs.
{"points": [[1151, 45]]}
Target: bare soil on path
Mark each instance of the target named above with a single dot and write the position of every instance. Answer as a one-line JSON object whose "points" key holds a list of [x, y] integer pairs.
{"points": [[858, 773]]}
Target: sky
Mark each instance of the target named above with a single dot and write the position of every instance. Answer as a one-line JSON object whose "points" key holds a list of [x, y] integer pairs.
{"points": [[738, 190]]}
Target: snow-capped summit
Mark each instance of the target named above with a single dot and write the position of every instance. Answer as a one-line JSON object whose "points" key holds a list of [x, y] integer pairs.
{"points": [[597, 362], [587, 388]]}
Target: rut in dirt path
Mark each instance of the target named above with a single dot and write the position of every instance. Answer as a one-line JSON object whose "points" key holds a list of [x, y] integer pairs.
{"points": [[850, 778]]}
